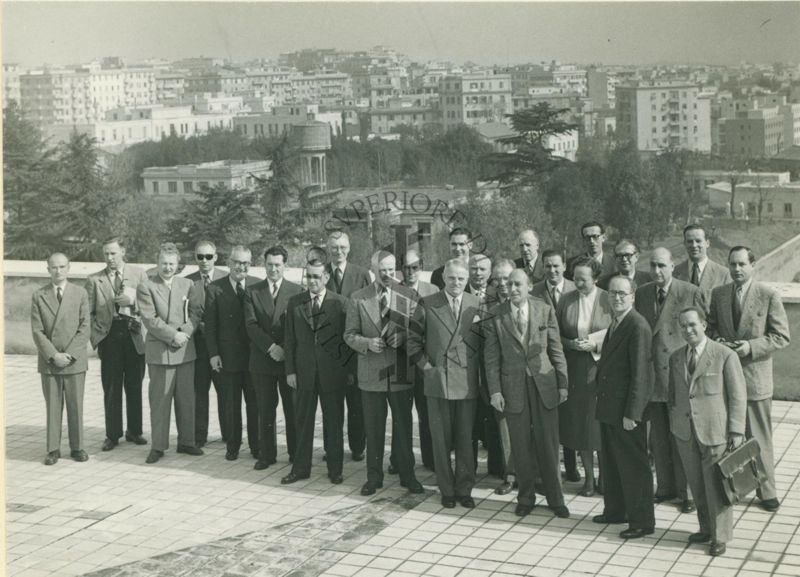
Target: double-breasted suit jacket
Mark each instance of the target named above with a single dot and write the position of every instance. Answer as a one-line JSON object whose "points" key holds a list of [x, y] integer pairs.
{"points": [[355, 278], [714, 275], [265, 320], [164, 312], [60, 328], [664, 324], [509, 360], [101, 303], [224, 324]]}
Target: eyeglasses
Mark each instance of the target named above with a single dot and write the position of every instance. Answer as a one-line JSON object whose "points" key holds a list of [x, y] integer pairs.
{"points": [[618, 294], [242, 263], [625, 255], [205, 256]]}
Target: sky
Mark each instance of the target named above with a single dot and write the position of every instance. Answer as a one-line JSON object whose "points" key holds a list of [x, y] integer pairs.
{"points": [[35, 33]]}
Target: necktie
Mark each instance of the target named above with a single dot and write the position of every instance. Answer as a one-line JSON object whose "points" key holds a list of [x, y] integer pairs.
{"points": [[612, 328], [455, 308], [692, 364], [737, 307], [661, 295], [337, 279], [519, 321], [206, 280], [384, 311], [556, 295], [274, 290], [117, 289], [59, 296], [240, 290], [696, 274], [315, 311]]}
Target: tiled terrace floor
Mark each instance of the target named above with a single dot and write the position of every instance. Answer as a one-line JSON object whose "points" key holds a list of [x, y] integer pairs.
{"points": [[207, 517]]}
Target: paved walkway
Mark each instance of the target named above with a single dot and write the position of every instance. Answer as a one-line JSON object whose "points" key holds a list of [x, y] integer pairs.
{"points": [[114, 516]]}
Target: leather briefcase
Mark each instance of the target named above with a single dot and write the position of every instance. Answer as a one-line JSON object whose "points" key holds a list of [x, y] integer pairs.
{"points": [[741, 471]]}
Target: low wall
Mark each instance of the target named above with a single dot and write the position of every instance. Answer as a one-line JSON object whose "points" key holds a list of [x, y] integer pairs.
{"points": [[781, 264]]}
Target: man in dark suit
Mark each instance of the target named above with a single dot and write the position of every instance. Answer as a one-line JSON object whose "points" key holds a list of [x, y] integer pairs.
{"points": [[318, 365], [527, 376], [443, 342], [593, 235], [377, 329], [626, 255], [708, 407], [700, 270], [265, 319], [345, 279], [118, 336], [624, 388], [60, 326], [529, 260], [169, 313], [460, 247], [205, 254], [660, 303], [748, 317], [229, 348]]}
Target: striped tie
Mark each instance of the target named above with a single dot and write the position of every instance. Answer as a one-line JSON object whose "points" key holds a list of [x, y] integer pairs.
{"points": [[384, 311]]}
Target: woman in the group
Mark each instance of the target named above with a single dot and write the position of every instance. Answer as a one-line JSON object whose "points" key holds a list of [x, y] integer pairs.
{"points": [[583, 317]]}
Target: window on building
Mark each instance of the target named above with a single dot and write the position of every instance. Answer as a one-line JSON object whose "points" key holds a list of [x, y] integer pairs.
{"points": [[187, 187], [787, 210], [155, 187], [172, 186]]}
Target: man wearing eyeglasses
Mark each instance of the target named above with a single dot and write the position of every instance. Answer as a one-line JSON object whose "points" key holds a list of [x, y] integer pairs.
{"points": [[265, 318], [593, 236], [626, 255], [205, 254], [229, 348], [624, 389], [345, 279]]}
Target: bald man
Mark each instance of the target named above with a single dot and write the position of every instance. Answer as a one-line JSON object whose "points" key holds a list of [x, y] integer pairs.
{"points": [[529, 260]]}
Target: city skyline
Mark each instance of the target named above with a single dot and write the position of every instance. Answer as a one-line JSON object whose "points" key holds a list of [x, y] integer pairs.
{"points": [[622, 33]]}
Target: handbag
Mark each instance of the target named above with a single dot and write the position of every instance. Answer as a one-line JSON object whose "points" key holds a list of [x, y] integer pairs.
{"points": [[741, 471]]}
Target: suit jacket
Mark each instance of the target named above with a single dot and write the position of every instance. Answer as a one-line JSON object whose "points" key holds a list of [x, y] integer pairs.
{"points": [[101, 303], [509, 360], [451, 347], [538, 269], [714, 398], [60, 328], [437, 277], [225, 331], [265, 321], [640, 277], [200, 297], [355, 278], [608, 265], [377, 372], [317, 352], [763, 325], [164, 313], [624, 372], [713, 276], [542, 290], [666, 330]]}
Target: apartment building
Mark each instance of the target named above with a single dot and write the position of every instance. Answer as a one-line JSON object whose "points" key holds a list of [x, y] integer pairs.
{"points": [[475, 97], [187, 179]]}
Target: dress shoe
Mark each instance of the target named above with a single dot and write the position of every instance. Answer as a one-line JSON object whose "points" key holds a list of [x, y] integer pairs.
{"points": [[292, 478], [573, 476], [336, 479], [503, 489], [108, 444], [636, 532], [231, 455], [414, 487], [448, 502], [154, 456], [466, 502], [392, 470], [189, 450], [79, 455], [770, 505], [606, 520], [661, 498], [717, 549], [688, 506], [262, 464], [370, 488], [523, 510], [699, 538], [561, 511], [135, 439], [52, 457], [358, 456]]}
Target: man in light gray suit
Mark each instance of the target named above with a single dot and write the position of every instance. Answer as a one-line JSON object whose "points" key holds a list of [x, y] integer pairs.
{"points": [[707, 402], [60, 326], [554, 286], [749, 317], [700, 270], [660, 303], [169, 313]]}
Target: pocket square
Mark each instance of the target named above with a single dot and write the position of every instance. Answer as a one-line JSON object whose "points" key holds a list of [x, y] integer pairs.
{"points": [[476, 319]]}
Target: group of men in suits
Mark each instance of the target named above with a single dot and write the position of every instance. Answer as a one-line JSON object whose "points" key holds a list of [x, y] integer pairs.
{"points": [[487, 341]]}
